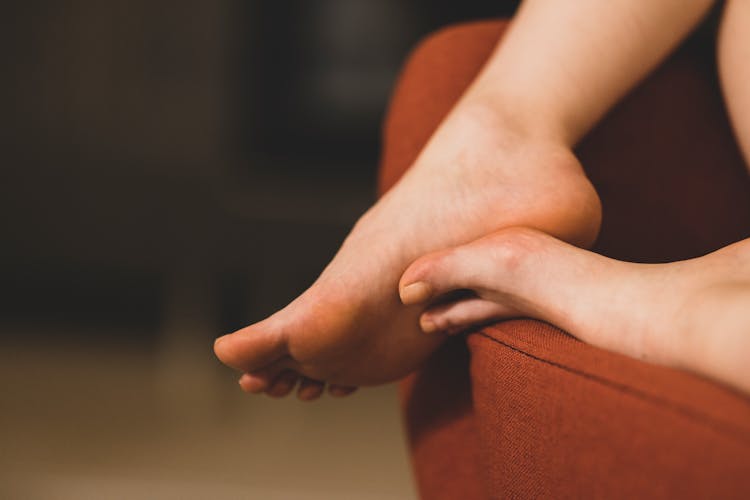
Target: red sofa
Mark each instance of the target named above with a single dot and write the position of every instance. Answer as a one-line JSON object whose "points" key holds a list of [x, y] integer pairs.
{"points": [[521, 409]]}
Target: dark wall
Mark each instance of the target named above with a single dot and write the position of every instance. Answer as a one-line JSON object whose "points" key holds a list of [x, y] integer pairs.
{"points": [[320, 72], [150, 143]]}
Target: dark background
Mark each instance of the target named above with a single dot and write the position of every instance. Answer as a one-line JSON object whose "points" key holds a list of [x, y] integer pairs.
{"points": [[230, 142], [171, 171]]}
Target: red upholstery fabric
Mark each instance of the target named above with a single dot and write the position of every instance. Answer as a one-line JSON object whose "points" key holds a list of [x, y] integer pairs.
{"points": [[529, 411]]}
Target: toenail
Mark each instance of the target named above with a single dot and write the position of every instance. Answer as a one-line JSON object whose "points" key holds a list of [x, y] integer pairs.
{"points": [[308, 394], [220, 339], [280, 390], [415, 293], [427, 325], [251, 385]]}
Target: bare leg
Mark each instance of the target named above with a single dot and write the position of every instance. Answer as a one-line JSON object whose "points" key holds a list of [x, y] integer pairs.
{"points": [[734, 68], [502, 158], [692, 314]]}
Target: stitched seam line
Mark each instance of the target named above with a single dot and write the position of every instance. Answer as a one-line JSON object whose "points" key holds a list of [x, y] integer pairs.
{"points": [[726, 428]]}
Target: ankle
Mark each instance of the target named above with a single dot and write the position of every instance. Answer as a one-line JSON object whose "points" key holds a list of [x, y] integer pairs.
{"points": [[717, 340], [508, 150], [511, 115]]}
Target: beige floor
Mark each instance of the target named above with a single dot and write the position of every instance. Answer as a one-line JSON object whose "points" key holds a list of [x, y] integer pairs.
{"points": [[87, 420]]}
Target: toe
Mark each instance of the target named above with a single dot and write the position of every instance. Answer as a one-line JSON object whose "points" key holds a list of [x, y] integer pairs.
{"points": [[438, 273], [283, 385], [458, 316], [252, 383], [429, 277], [339, 391], [251, 348], [261, 380], [309, 389], [480, 265]]}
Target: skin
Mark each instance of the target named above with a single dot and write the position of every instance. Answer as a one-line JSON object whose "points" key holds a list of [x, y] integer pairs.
{"points": [[693, 315], [502, 158], [733, 51]]}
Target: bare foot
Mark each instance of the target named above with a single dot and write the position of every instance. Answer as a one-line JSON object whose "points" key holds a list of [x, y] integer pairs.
{"points": [[350, 328], [693, 314]]}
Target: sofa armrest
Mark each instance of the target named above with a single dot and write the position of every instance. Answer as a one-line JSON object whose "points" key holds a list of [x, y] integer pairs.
{"points": [[521, 409], [559, 418]]}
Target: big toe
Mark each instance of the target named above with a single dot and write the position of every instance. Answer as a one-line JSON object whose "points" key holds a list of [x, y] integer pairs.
{"points": [[433, 275], [479, 265], [251, 348]]}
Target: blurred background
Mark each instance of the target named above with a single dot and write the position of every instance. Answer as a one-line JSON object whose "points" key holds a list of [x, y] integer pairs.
{"points": [[174, 171]]}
